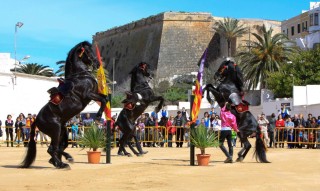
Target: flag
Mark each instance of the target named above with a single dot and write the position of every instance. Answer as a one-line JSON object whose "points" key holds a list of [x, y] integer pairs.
{"points": [[102, 85], [198, 90]]}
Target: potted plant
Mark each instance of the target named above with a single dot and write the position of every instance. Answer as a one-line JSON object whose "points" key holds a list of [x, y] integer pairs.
{"points": [[201, 138], [93, 138]]}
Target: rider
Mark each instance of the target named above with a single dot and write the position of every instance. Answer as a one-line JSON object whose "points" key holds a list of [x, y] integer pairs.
{"points": [[228, 122]]}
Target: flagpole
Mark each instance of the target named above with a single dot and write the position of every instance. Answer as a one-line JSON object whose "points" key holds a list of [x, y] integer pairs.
{"points": [[108, 146], [192, 153]]}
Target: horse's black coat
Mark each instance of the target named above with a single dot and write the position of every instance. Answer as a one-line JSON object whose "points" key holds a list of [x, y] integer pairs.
{"points": [[78, 88], [231, 79], [127, 117]]}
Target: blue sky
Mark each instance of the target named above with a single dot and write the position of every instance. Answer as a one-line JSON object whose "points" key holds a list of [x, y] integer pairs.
{"points": [[52, 27]]}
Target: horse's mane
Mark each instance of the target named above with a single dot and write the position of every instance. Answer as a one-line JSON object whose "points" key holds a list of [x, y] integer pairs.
{"points": [[235, 73], [72, 52]]}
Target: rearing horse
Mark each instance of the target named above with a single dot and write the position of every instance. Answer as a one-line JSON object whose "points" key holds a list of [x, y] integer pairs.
{"points": [[71, 96], [229, 90], [138, 99]]}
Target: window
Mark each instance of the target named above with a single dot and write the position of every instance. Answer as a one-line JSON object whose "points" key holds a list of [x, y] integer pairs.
{"points": [[316, 19], [311, 19], [284, 31], [306, 25], [298, 28], [292, 30], [303, 29]]}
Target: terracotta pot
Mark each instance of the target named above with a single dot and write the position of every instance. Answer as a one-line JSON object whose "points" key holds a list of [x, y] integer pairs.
{"points": [[94, 157], [203, 160]]}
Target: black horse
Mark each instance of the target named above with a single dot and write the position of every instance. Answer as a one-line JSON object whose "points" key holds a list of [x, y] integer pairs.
{"points": [[138, 99], [71, 96], [230, 89]]}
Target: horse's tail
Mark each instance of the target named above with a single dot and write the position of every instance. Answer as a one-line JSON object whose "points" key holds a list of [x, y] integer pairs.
{"points": [[32, 149], [261, 149]]}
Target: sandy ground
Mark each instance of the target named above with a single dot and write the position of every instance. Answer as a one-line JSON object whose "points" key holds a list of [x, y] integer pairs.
{"points": [[163, 169]]}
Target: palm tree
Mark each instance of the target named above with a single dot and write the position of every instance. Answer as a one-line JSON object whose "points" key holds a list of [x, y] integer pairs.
{"points": [[61, 70], [35, 69], [230, 29], [267, 54]]}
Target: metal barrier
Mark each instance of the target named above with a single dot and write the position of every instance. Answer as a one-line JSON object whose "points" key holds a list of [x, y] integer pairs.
{"points": [[160, 136], [297, 137]]}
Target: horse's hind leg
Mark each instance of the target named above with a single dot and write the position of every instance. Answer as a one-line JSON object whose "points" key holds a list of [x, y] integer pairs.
{"points": [[122, 144], [54, 150], [138, 145], [64, 145], [244, 151]]}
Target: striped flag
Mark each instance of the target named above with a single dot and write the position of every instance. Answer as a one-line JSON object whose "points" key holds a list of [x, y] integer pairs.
{"points": [[198, 90], [102, 85]]}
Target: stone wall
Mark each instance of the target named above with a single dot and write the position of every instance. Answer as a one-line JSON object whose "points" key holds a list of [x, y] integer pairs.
{"points": [[171, 42]]}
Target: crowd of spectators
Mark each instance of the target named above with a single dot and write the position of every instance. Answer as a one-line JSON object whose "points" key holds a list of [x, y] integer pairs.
{"points": [[156, 129]]}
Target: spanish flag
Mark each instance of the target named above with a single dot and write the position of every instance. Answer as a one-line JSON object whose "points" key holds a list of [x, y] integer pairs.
{"points": [[102, 84], [198, 90]]}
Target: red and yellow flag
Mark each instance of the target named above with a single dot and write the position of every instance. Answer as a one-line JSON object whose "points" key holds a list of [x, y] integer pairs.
{"points": [[198, 90], [102, 85]]}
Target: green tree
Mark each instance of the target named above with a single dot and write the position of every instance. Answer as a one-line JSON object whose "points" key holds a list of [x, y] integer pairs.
{"points": [[116, 100], [304, 69], [35, 69], [230, 29], [267, 54], [61, 70]]}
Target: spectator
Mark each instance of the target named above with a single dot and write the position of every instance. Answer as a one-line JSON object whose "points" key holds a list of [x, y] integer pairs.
{"points": [[22, 125], [164, 112], [212, 112], [9, 129], [216, 125], [284, 111], [312, 124], [228, 122], [206, 120], [87, 121], [185, 116], [263, 124], [233, 138], [74, 131], [280, 124], [171, 130], [178, 123], [140, 129], [308, 122], [26, 130], [271, 128], [17, 130], [289, 128]]}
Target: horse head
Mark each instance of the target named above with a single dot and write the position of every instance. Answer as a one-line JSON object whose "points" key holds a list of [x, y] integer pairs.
{"points": [[229, 70], [142, 68], [138, 76], [81, 58]]}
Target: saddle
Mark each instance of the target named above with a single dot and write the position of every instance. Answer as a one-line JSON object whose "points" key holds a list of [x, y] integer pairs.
{"points": [[240, 104], [57, 94]]}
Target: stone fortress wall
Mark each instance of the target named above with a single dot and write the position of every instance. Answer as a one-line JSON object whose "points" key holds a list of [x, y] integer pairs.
{"points": [[171, 42]]}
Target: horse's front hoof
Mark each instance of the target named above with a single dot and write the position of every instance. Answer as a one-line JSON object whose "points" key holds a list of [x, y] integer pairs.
{"points": [[70, 160], [240, 159], [144, 152], [120, 154], [129, 155]]}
